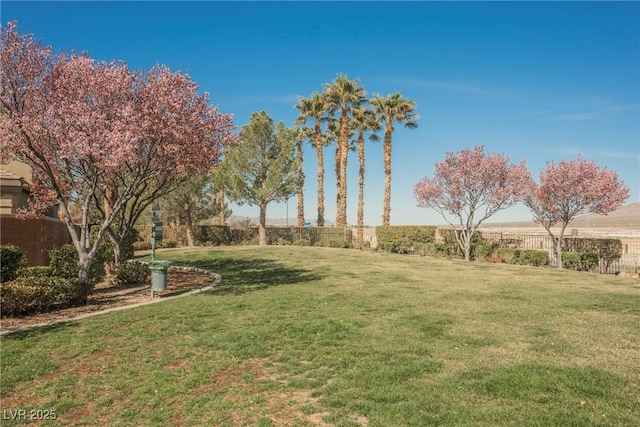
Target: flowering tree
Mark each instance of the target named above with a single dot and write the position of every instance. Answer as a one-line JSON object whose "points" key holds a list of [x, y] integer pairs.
{"points": [[569, 189], [471, 186], [97, 135]]}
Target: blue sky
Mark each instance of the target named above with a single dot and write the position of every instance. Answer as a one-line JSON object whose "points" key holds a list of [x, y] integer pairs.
{"points": [[535, 80]]}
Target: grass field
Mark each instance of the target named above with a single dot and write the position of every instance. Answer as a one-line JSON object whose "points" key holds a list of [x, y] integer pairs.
{"points": [[308, 336]]}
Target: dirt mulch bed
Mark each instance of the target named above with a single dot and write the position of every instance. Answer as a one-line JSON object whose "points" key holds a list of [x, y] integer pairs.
{"points": [[107, 296]]}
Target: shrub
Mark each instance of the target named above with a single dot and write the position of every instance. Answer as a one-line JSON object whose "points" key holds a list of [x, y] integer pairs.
{"points": [[17, 298], [453, 247], [11, 259], [589, 261], [252, 241], [64, 261], [36, 271], [403, 239], [608, 250], [339, 243], [282, 242], [420, 249], [533, 257], [302, 242], [571, 260], [129, 273], [507, 255], [141, 246], [168, 244], [31, 294], [482, 251]]}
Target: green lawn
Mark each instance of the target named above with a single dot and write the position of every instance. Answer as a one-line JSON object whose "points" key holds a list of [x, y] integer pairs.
{"points": [[315, 336]]}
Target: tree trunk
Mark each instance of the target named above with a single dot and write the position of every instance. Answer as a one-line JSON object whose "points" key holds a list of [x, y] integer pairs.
{"points": [[320, 155], [300, 186], [386, 208], [219, 202], [187, 219], [84, 265], [360, 230], [262, 227], [558, 243], [341, 220], [338, 178]]}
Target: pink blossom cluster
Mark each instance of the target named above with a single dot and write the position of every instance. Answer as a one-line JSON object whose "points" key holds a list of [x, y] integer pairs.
{"points": [[473, 184], [85, 125], [571, 188]]}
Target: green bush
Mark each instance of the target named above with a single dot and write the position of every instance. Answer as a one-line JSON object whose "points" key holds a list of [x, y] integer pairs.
{"points": [[32, 294], [302, 242], [571, 260], [403, 239], [482, 251], [130, 273], [533, 257], [36, 271], [11, 259], [608, 250], [168, 244], [339, 243], [64, 261], [17, 298], [141, 246], [282, 242], [453, 249], [507, 255], [252, 241], [589, 261]]}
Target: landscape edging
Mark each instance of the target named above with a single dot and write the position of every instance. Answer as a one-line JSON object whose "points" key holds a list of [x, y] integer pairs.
{"points": [[217, 279]]}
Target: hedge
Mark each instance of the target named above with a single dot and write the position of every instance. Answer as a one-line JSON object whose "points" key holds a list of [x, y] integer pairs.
{"points": [[608, 250], [130, 273], [580, 262], [11, 259], [449, 239], [404, 238], [533, 257], [64, 261], [32, 294]]}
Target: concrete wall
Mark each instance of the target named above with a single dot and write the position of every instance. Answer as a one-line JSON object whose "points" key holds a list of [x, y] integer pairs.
{"points": [[34, 236]]}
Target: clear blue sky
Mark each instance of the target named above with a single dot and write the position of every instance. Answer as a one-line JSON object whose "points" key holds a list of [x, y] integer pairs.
{"points": [[535, 80]]}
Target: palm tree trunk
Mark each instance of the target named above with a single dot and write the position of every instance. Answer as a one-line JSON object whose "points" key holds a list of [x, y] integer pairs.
{"points": [[320, 155], [300, 187], [386, 209], [344, 151], [360, 231], [338, 178]]}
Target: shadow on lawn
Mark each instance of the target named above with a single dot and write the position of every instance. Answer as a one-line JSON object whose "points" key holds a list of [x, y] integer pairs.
{"points": [[240, 276]]}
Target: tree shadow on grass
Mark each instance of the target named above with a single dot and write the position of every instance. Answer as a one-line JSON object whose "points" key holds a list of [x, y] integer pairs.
{"points": [[240, 276]]}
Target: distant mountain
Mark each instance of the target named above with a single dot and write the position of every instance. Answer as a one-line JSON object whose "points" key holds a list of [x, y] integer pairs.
{"points": [[625, 217], [235, 219]]}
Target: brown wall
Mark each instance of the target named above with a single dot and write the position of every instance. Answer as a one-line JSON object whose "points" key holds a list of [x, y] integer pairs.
{"points": [[34, 236]]}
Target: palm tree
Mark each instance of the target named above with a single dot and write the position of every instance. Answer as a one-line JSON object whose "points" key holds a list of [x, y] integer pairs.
{"points": [[364, 120], [343, 95], [315, 108], [299, 135], [390, 110]]}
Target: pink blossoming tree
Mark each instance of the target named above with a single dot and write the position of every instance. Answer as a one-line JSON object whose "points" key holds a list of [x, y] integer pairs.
{"points": [[95, 132], [471, 186], [569, 189]]}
